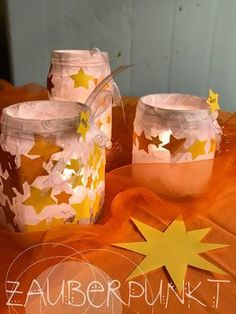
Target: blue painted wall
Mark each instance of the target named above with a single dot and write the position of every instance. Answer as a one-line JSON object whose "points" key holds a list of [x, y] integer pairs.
{"points": [[177, 45]]}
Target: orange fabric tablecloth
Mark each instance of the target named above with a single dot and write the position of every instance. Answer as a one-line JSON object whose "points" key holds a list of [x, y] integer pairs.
{"points": [[205, 292]]}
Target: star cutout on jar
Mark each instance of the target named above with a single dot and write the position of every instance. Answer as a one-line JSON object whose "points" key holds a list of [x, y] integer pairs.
{"points": [[213, 101], [175, 145], [144, 142], [39, 199], [197, 149], [63, 198], [44, 147], [81, 79]]}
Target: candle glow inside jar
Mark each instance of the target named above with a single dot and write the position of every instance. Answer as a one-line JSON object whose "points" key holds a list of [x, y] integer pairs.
{"points": [[173, 133], [49, 174]]}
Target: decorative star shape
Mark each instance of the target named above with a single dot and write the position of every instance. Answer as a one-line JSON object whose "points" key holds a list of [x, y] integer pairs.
{"points": [[82, 209], [63, 197], [81, 79], [44, 147], [41, 226], [31, 169], [175, 249], [197, 149], [39, 199], [84, 124], [76, 180], [74, 165], [174, 145], [144, 142], [213, 101], [50, 84], [7, 188], [156, 140], [7, 160]]}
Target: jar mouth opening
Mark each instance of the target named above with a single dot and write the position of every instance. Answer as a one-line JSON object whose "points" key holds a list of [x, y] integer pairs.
{"points": [[181, 103], [38, 115], [80, 56]]}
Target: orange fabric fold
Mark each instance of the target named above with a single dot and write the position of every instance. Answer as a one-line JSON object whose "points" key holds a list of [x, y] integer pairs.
{"points": [[129, 197]]}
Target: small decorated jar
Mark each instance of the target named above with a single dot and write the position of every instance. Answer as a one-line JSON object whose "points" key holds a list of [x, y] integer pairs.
{"points": [[50, 174], [171, 131], [74, 74]]}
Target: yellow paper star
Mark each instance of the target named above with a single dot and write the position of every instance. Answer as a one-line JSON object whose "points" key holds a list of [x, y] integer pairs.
{"points": [[82, 209], [197, 149], [84, 124], [175, 249], [39, 199], [44, 147], [76, 181], [55, 222], [81, 79], [74, 165], [213, 101], [41, 226], [213, 146]]}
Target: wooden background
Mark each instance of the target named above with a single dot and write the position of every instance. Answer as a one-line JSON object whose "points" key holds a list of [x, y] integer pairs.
{"points": [[177, 45]]}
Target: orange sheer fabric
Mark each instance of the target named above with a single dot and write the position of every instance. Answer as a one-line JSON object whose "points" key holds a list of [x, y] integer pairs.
{"points": [[214, 208]]}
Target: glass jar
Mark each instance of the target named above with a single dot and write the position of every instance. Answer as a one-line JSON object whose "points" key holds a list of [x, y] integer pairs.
{"points": [[74, 74], [173, 133], [49, 174]]}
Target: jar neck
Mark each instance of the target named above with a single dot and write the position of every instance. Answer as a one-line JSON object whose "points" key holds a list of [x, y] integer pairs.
{"points": [[80, 57]]}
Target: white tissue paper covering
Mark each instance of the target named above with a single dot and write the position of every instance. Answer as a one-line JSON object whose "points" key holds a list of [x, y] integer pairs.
{"points": [[38, 138], [74, 74], [171, 133]]}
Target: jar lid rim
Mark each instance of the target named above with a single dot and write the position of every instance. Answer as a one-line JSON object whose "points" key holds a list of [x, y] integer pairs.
{"points": [[199, 102]]}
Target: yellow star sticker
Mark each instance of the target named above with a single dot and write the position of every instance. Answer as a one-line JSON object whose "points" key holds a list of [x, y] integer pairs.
{"points": [[41, 226], [213, 101], [84, 124], [39, 199], [213, 146], [74, 165], [44, 147], [175, 249], [76, 181], [55, 222], [197, 149], [82, 209], [81, 79]]}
